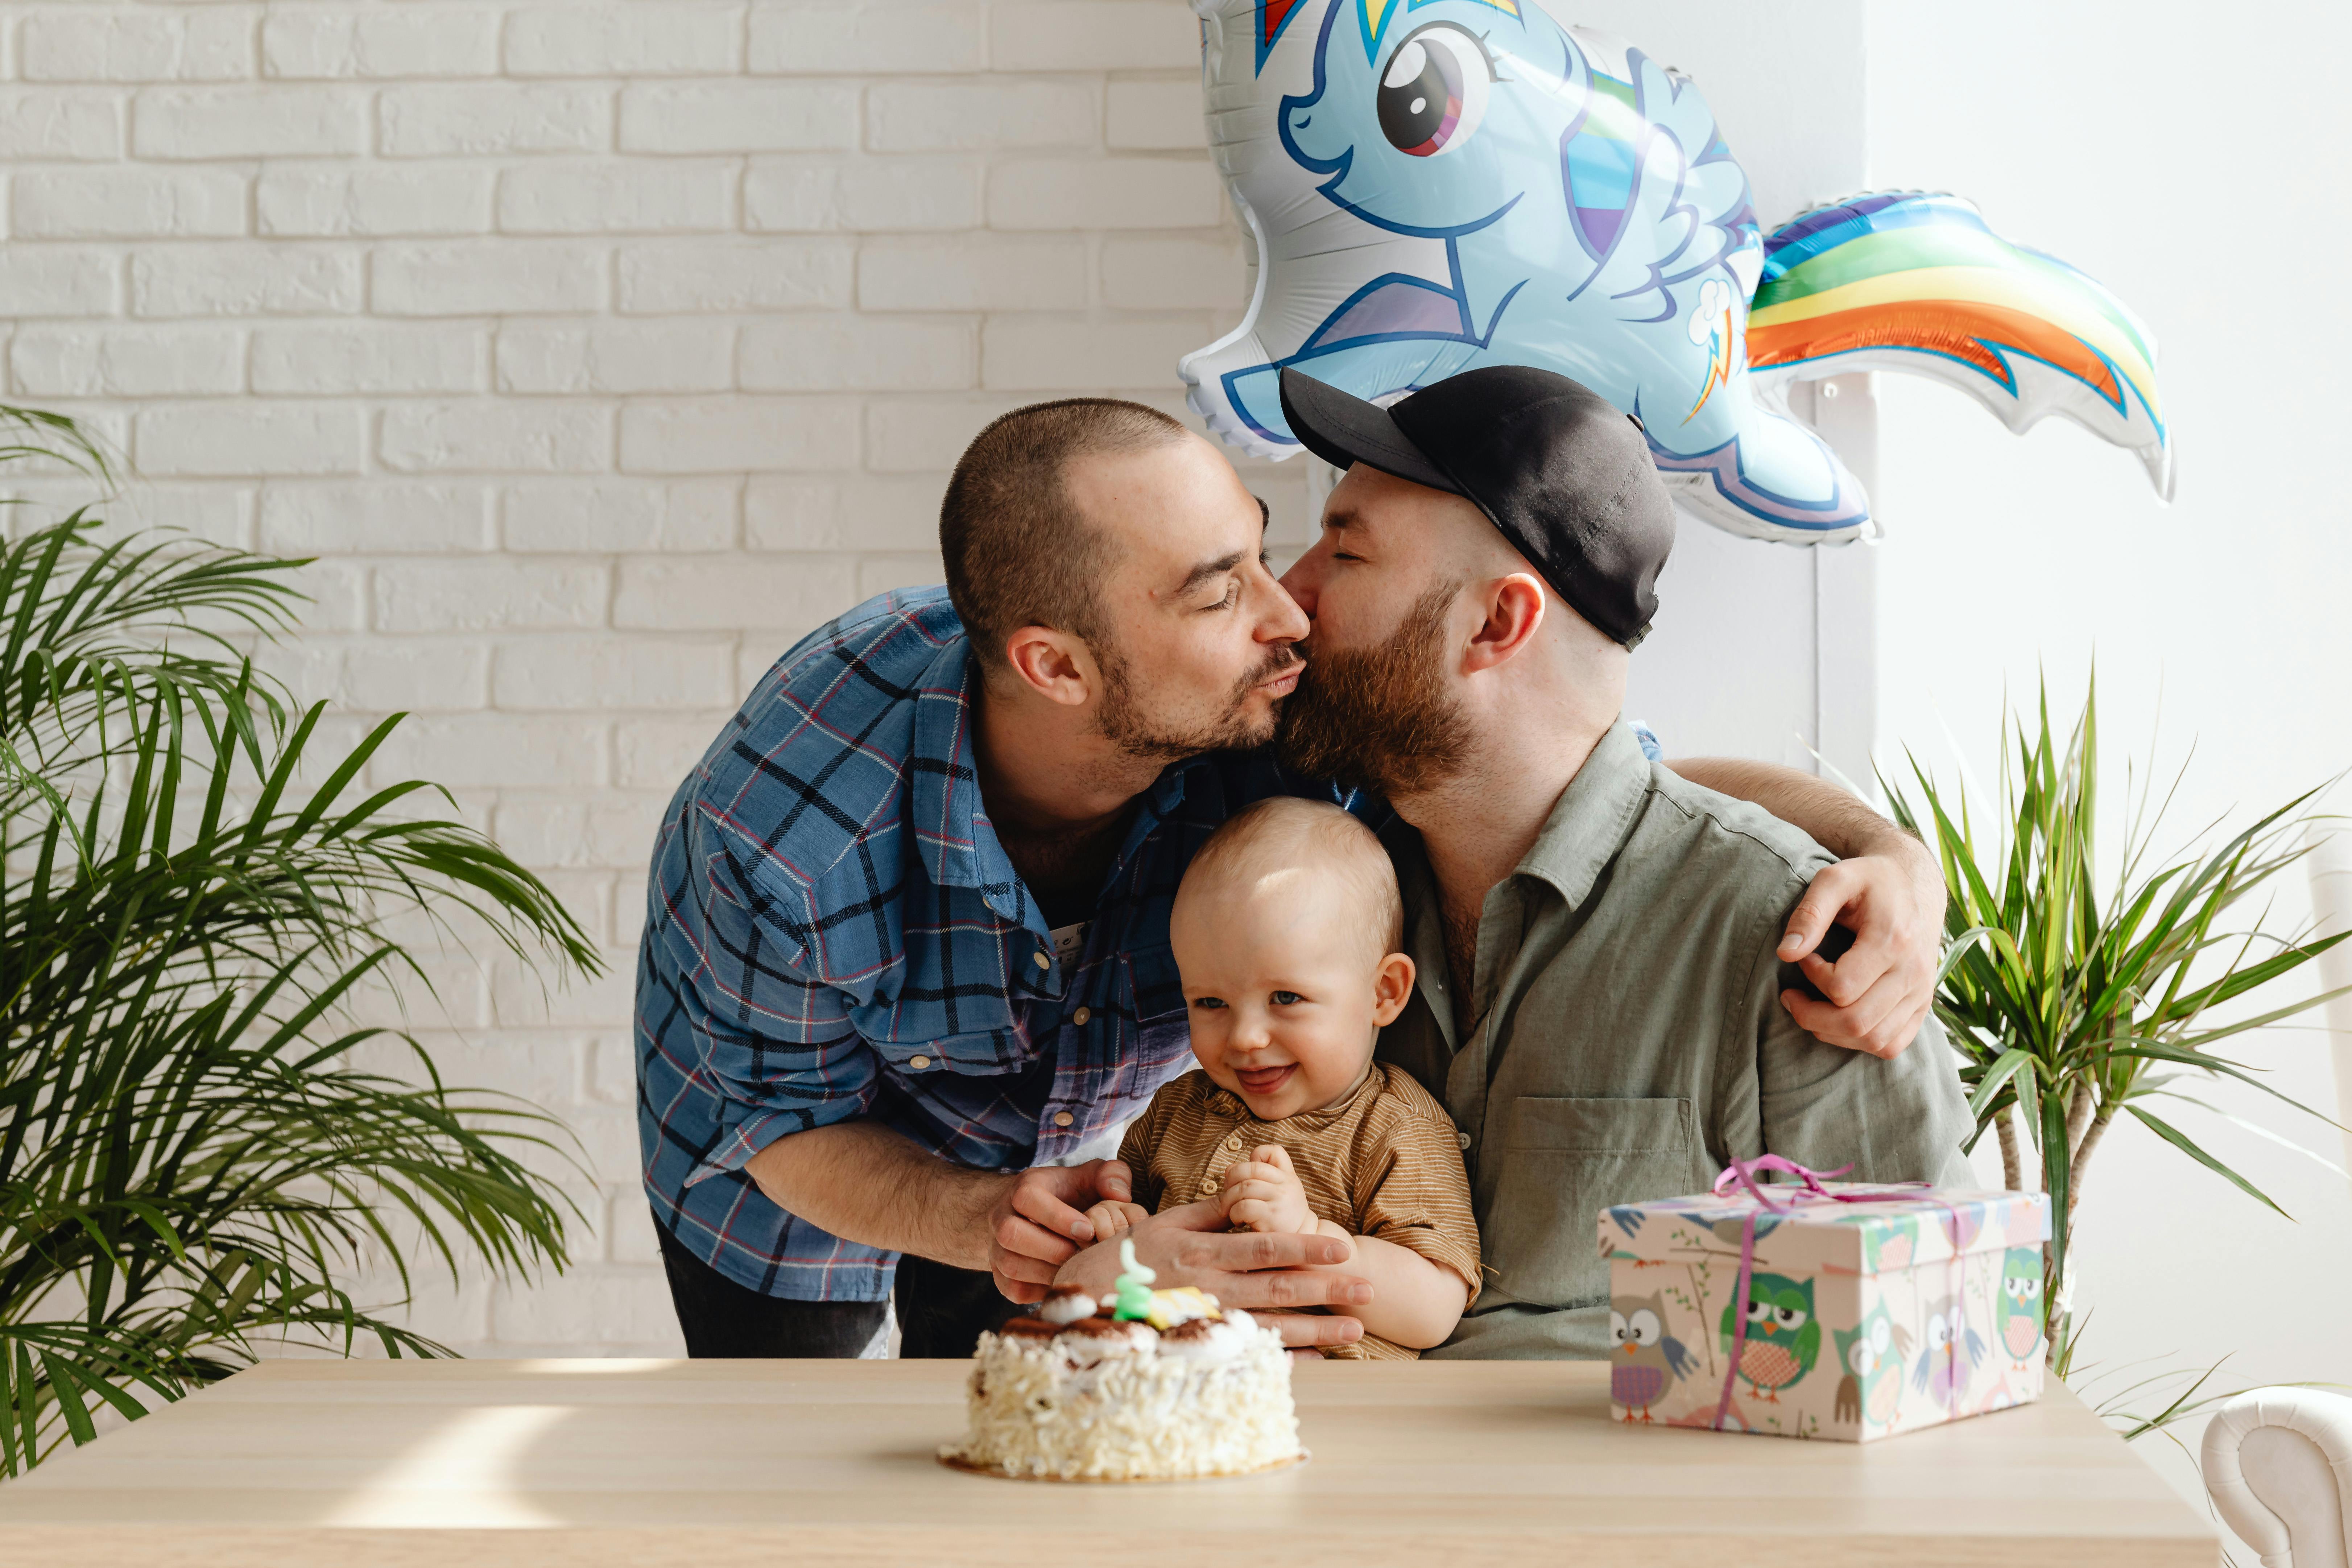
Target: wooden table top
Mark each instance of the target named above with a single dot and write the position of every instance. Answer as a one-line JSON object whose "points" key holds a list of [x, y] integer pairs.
{"points": [[577, 1463]]}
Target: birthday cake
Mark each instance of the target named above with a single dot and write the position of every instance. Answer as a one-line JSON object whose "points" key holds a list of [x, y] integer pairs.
{"points": [[1145, 1385]]}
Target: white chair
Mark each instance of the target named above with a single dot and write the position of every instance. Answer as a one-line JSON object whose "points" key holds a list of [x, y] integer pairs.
{"points": [[2278, 1463]]}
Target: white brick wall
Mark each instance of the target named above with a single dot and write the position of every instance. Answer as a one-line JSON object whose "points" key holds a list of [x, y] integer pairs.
{"points": [[601, 350]]}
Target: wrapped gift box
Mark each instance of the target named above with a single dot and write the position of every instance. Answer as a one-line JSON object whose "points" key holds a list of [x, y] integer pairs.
{"points": [[1871, 1309]]}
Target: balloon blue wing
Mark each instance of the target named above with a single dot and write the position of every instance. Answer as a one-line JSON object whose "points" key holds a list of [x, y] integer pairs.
{"points": [[1686, 212]]}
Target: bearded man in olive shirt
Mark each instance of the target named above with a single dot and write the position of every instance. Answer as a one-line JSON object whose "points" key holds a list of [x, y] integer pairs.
{"points": [[1600, 1003]]}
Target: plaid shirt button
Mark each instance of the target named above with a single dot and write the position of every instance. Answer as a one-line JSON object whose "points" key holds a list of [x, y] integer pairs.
{"points": [[1081, 1015], [1042, 960], [919, 1063], [1062, 1119]]}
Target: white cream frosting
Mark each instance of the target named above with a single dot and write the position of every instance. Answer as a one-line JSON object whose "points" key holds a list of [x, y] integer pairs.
{"points": [[1063, 1409], [1214, 1345], [1066, 1307], [1085, 1349]]}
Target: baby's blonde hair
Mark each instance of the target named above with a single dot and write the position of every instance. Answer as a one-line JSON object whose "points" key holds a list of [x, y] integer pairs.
{"points": [[1287, 833]]}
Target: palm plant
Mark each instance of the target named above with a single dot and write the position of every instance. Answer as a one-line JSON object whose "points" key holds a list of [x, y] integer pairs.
{"points": [[2074, 1008], [189, 1159]]}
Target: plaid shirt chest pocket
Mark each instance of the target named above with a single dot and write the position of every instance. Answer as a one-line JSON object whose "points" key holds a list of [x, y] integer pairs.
{"points": [[980, 1054], [953, 1001], [1157, 991], [1151, 1041]]}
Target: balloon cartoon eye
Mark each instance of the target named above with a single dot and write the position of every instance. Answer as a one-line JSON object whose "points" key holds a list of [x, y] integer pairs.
{"points": [[1864, 1358], [1434, 91], [1643, 1327], [1882, 1334]]}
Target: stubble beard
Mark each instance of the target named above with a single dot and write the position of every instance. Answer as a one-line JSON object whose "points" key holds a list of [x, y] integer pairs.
{"points": [[1380, 717], [1123, 722]]}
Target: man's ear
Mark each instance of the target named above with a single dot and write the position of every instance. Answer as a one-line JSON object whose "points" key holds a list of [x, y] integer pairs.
{"points": [[1391, 988], [1515, 611], [1054, 665]]}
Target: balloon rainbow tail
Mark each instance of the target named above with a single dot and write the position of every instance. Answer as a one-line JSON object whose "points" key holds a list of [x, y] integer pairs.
{"points": [[1912, 282]]}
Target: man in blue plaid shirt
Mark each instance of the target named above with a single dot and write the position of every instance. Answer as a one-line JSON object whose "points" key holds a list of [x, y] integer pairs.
{"points": [[906, 968]]}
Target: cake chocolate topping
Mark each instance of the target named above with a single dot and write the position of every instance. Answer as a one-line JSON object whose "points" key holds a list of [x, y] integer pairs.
{"points": [[1028, 1328], [1107, 1329]]}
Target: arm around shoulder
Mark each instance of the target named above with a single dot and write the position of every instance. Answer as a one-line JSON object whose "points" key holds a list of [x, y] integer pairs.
{"points": [[1897, 1119], [1833, 817], [1886, 889]]}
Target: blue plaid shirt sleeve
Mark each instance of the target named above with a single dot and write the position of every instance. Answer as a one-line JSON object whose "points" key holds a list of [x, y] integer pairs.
{"points": [[778, 1047]]}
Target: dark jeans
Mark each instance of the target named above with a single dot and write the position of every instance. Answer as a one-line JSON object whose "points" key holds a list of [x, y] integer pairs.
{"points": [[941, 1312]]}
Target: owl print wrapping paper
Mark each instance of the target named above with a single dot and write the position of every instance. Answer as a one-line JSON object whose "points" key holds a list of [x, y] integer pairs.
{"points": [[1864, 1317]]}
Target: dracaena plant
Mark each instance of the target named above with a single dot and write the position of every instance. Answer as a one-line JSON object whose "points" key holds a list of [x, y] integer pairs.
{"points": [[2075, 1002], [190, 1161]]}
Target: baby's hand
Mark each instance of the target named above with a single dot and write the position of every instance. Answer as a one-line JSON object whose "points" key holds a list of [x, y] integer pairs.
{"points": [[1263, 1192], [1113, 1219]]}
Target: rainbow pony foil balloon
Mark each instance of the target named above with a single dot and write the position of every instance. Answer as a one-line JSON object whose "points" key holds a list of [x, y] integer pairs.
{"points": [[1438, 184]]}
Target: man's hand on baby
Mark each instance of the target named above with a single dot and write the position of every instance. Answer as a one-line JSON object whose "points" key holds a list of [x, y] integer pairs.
{"points": [[1113, 1219], [1035, 1225], [1263, 1192], [1284, 1275]]}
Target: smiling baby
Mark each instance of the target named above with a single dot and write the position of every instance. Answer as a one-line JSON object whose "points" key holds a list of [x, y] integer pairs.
{"points": [[1285, 933]]}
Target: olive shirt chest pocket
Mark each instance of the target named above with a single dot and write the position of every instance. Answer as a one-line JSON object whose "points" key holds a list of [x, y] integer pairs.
{"points": [[1563, 1162]]}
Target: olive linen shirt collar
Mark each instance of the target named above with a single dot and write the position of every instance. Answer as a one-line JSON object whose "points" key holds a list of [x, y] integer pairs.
{"points": [[1587, 826], [1628, 1038], [1589, 822]]}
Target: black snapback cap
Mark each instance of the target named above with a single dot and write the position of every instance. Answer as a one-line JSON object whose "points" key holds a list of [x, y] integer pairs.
{"points": [[1555, 466]]}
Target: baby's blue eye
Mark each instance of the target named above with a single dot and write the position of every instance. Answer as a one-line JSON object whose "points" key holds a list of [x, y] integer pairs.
{"points": [[1285, 998], [1208, 1001]]}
